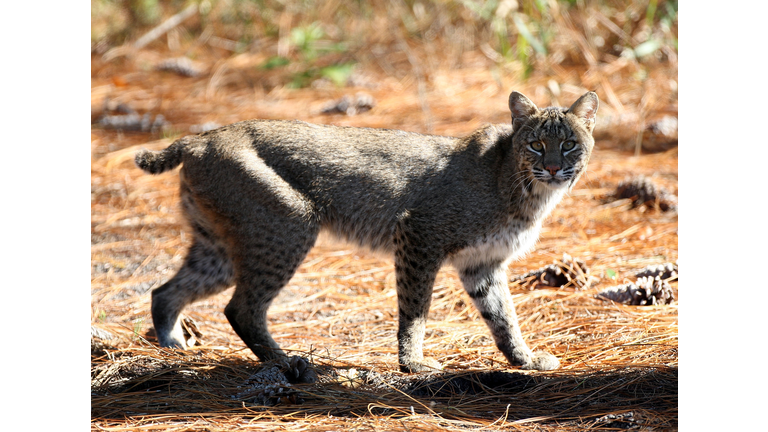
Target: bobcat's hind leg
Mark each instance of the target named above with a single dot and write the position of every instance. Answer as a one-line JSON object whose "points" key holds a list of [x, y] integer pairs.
{"points": [[266, 260], [206, 271], [486, 284]]}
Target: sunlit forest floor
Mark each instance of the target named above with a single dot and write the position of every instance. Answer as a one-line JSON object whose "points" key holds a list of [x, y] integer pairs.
{"points": [[619, 361]]}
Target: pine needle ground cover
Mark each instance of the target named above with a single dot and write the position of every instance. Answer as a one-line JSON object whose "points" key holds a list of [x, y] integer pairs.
{"points": [[619, 358]]}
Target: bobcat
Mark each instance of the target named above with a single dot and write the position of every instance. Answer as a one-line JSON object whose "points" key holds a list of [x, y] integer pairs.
{"points": [[257, 193]]}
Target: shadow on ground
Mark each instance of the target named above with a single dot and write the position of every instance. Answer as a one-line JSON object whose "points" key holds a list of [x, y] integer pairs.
{"points": [[127, 384]]}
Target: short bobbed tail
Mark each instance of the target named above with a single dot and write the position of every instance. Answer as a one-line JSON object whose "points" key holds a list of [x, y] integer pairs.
{"points": [[156, 162]]}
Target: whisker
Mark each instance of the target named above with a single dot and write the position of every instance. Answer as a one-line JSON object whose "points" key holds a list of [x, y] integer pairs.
{"points": [[521, 181]]}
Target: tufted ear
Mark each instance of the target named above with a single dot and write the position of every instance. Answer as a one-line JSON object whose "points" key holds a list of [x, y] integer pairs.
{"points": [[521, 108], [585, 108]]}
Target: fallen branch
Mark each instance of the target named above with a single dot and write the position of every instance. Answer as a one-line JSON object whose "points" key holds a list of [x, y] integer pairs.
{"points": [[165, 26]]}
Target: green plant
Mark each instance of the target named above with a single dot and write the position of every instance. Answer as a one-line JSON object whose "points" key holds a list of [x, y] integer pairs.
{"points": [[313, 50], [338, 74], [650, 11], [275, 62], [667, 20], [305, 39], [520, 35], [660, 22], [137, 325]]}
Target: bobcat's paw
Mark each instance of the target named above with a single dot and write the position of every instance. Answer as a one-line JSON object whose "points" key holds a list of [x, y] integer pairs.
{"points": [[427, 364], [542, 361], [300, 371], [169, 341], [182, 336]]}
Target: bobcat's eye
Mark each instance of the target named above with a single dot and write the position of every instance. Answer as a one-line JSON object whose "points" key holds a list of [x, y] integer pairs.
{"points": [[537, 146], [569, 145]]}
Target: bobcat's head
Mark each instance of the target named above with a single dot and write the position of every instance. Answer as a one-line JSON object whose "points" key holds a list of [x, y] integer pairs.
{"points": [[552, 145]]}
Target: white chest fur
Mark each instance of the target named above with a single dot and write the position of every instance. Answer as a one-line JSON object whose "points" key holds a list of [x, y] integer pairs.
{"points": [[508, 242]]}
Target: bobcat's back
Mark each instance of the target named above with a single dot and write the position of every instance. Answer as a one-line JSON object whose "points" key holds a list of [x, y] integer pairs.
{"points": [[355, 182]]}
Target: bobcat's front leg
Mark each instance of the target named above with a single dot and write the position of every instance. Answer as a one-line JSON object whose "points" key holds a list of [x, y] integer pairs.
{"points": [[416, 268], [486, 284]]}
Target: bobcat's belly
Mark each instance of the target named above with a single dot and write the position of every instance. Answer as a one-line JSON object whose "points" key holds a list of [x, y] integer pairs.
{"points": [[503, 245]]}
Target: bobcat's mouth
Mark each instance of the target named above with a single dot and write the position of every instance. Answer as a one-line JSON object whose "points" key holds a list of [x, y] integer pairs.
{"points": [[555, 183]]}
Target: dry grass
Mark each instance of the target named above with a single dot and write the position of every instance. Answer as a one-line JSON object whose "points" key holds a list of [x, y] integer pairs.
{"points": [[340, 308]]}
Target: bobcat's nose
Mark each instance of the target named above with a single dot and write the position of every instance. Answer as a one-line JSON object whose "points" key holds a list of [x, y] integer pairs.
{"points": [[553, 169]]}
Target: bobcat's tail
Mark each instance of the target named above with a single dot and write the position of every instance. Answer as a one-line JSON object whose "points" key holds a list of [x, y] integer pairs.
{"points": [[156, 162]]}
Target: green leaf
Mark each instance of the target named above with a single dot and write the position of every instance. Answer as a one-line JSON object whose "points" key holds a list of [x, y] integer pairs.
{"points": [[275, 62], [610, 273], [339, 73]]}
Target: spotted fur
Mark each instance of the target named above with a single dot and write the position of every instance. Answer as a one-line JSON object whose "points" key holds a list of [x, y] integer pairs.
{"points": [[257, 193]]}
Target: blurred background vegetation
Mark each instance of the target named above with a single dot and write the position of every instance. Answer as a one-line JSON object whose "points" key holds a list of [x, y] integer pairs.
{"points": [[626, 50]]}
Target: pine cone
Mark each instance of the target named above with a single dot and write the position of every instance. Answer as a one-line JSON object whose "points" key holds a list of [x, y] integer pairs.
{"points": [[269, 387], [180, 65], [349, 105], [642, 191], [667, 272], [646, 291], [568, 272]]}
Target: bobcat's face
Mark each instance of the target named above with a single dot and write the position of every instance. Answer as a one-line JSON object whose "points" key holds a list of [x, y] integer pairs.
{"points": [[553, 145], [551, 151]]}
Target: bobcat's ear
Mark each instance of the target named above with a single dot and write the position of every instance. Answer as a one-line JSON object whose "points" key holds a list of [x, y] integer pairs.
{"points": [[521, 108], [585, 108]]}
